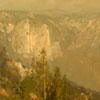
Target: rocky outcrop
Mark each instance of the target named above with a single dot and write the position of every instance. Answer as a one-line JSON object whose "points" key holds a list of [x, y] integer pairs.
{"points": [[4, 93]]}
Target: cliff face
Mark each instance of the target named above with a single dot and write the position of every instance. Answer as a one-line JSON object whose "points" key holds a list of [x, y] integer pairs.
{"points": [[26, 37], [72, 41]]}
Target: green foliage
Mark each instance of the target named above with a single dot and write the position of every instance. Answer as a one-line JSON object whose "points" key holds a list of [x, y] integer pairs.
{"points": [[57, 84], [64, 88], [42, 84], [3, 56], [26, 86]]}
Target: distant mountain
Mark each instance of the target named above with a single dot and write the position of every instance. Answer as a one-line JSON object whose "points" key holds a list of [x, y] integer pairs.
{"points": [[89, 36]]}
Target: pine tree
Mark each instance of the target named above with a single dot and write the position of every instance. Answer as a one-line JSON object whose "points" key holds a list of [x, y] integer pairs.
{"points": [[45, 69], [42, 72], [64, 88], [3, 56], [57, 84]]}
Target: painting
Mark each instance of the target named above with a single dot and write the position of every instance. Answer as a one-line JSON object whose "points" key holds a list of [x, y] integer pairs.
{"points": [[49, 50]]}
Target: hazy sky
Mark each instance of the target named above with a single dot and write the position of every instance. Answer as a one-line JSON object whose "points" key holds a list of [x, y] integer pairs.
{"points": [[31, 5]]}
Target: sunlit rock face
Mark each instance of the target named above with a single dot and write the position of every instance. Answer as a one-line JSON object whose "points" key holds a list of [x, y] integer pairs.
{"points": [[26, 38]]}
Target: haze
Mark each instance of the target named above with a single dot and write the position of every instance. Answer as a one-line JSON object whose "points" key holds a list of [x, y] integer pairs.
{"points": [[31, 5]]}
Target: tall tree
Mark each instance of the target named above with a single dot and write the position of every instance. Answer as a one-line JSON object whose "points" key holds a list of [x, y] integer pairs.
{"points": [[57, 84], [42, 70], [64, 88], [3, 56]]}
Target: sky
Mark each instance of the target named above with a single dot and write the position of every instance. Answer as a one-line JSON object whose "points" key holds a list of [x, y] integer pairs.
{"points": [[31, 5]]}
